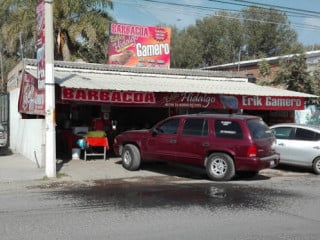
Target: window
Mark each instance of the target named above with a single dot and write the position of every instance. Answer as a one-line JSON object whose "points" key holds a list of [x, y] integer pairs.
{"points": [[195, 127], [283, 132], [169, 127], [228, 129], [259, 129], [306, 135]]}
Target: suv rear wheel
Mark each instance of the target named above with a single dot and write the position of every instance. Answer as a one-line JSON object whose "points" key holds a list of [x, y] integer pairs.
{"points": [[131, 157], [220, 167]]}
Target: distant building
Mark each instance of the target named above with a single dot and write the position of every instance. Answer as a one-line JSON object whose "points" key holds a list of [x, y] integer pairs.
{"points": [[251, 67]]}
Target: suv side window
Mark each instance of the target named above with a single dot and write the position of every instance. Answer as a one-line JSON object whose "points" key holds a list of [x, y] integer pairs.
{"points": [[228, 129], [169, 127], [195, 127]]}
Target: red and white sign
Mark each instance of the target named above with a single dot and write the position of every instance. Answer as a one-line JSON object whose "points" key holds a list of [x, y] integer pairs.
{"points": [[41, 45], [190, 100], [139, 46], [31, 98]]}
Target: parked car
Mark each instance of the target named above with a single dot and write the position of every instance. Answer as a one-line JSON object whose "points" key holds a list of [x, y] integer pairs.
{"points": [[3, 137], [225, 144], [298, 145]]}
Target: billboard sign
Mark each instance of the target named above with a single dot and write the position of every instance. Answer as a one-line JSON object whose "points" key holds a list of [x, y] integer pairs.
{"points": [[139, 46]]}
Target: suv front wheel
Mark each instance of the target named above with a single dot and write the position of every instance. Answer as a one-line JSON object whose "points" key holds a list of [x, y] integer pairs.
{"points": [[130, 157], [220, 167]]}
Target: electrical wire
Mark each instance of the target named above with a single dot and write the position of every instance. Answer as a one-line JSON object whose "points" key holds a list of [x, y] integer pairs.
{"points": [[201, 11]]}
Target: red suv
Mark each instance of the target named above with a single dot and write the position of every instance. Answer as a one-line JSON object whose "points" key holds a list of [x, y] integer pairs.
{"points": [[225, 144]]}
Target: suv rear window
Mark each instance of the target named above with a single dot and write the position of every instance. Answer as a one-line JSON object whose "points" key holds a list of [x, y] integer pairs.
{"points": [[259, 129], [228, 129]]}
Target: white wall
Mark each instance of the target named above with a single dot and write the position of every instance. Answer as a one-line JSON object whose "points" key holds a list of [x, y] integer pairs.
{"points": [[27, 136]]}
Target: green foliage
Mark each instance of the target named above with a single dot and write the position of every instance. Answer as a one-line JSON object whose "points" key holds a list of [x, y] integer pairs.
{"points": [[85, 21], [268, 31], [265, 71], [218, 39], [293, 75], [185, 49], [315, 78]]}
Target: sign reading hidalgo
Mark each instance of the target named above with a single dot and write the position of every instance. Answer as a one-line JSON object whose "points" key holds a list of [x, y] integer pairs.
{"points": [[139, 46], [190, 100]]}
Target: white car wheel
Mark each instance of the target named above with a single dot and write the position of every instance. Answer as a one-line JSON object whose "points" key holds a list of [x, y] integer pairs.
{"points": [[316, 165]]}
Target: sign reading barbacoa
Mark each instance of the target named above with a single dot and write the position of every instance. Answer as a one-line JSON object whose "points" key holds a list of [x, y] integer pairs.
{"points": [[192, 100]]}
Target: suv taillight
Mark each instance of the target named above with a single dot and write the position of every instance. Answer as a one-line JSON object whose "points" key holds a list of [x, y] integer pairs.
{"points": [[252, 151]]}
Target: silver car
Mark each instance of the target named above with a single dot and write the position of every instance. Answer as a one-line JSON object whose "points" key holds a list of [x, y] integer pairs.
{"points": [[3, 137], [298, 145]]}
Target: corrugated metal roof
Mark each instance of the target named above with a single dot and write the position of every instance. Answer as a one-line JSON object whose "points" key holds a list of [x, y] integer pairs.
{"points": [[139, 70], [147, 82]]}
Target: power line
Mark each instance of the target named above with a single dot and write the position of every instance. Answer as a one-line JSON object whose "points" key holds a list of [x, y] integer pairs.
{"points": [[211, 11]]}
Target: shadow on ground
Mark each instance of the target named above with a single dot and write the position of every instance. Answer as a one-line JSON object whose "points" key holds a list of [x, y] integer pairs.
{"points": [[187, 171]]}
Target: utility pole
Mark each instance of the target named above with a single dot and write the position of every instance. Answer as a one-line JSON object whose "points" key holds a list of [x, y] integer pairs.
{"points": [[49, 93], [1, 68]]}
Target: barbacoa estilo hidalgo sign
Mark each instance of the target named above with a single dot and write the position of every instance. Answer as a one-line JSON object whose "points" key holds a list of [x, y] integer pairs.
{"points": [[191, 100], [139, 46]]}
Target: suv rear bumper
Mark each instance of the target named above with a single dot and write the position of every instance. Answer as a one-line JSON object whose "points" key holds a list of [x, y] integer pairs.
{"points": [[257, 164]]}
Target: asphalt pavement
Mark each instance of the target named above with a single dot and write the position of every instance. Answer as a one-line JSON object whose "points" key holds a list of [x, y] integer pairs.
{"points": [[15, 167]]}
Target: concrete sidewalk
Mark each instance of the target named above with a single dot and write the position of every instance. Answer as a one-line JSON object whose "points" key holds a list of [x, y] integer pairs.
{"points": [[16, 167]]}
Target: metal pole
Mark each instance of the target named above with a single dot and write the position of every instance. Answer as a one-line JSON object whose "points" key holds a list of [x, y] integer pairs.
{"points": [[239, 59], [2, 75], [49, 92]]}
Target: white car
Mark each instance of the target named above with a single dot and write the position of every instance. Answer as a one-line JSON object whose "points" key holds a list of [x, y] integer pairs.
{"points": [[3, 136], [298, 145]]}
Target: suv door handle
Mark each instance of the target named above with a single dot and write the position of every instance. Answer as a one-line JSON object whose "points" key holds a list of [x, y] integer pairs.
{"points": [[205, 144], [173, 141]]}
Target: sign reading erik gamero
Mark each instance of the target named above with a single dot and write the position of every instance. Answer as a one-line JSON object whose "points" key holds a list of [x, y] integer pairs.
{"points": [[139, 46]]}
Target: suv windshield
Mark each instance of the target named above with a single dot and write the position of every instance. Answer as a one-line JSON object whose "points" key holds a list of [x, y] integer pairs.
{"points": [[259, 129]]}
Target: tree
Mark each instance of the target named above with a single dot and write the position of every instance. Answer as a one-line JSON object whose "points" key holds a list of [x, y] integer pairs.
{"points": [[213, 40], [268, 32], [83, 23], [293, 75], [185, 49], [264, 71], [219, 38], [315, 78]]}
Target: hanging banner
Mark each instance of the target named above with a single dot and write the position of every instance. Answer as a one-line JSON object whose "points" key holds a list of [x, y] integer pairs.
{"points": [[139, 46], [188, 100], [31, 98], [41, 45]]}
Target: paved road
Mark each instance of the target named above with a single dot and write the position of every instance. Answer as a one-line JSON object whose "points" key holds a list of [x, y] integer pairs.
{"points": [[163, 207]]}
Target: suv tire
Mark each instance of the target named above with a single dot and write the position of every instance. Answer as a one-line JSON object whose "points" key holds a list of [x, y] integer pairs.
{"points": [[220, 167], [131, 157]]}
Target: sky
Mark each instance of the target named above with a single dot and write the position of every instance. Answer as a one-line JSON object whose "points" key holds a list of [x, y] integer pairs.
{"points": [[304, 15]]}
